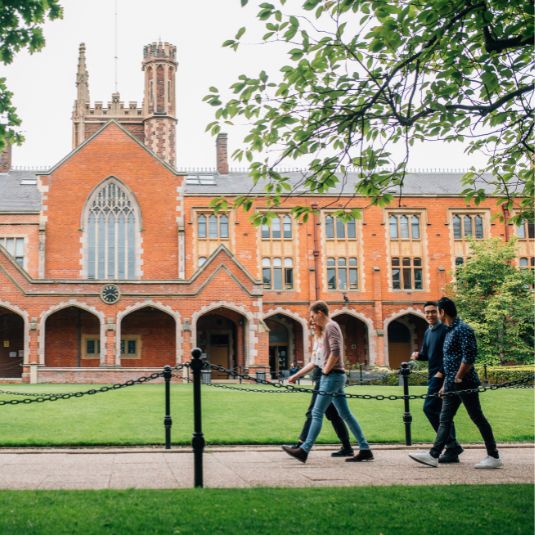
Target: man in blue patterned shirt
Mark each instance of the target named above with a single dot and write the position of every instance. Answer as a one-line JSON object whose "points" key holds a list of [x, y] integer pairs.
{"points": [[460, 352], [432, 350]]}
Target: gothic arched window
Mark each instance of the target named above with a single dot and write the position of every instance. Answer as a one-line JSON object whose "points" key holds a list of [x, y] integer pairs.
{"points": [[112, 233]]}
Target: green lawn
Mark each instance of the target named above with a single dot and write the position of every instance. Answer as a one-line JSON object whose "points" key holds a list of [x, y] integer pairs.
{"points": [[434, 510], [135, 416]]}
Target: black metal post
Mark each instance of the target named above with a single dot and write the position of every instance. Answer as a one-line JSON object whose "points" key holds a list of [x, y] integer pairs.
{"points": [[167, 421], [197, 441], [407, 418], [360, 373], [485, 375]]}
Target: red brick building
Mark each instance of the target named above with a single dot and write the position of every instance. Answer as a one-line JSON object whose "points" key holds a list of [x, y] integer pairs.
{"points": [[112, 263]]}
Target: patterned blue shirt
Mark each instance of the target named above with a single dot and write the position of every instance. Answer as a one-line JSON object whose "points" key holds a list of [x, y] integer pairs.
{"points": [[460, 346]]}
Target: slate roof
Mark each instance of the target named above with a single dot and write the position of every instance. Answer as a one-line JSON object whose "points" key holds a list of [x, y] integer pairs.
{"points": [[425, 183], [19, 193]]}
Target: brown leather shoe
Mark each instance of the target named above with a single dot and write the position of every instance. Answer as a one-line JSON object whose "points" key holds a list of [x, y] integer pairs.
{"points": [[299, 453], [362, 455]]}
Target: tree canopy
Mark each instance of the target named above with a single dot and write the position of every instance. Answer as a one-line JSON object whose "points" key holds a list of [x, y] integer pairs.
{"points": [[21, 24], [364, 75], [496, 299]]}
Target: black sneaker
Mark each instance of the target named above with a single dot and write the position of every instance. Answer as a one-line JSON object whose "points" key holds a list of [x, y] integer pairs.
{"points": [[362, 455], [449, 457], [343, 452]]}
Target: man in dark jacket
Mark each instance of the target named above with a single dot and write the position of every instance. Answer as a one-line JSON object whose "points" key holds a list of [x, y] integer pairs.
{"points": [[432, 351], [460, 387]]}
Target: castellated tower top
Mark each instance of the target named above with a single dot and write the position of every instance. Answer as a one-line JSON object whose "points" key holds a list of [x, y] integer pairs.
{"points": [[159, 52]]}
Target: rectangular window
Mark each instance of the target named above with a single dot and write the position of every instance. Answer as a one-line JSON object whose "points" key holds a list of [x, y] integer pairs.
{"points": [[15, 247], [467, 226], [404, 226], [212, 226], [342, 273], [407, 273], [279, 228], [331, 273], [338, 229], [288, 273], [277, 275], [525, 230], [131, 347], [90, 346]]}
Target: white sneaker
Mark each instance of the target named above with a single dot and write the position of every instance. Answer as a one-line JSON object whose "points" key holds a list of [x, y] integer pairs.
{"points": [[424, 457], [489, 462]]}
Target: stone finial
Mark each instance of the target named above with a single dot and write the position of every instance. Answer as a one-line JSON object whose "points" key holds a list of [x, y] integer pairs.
{"points": [[82, 77]]}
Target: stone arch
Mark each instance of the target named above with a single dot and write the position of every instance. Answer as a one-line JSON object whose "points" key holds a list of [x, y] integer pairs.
{"points": [[26, 327], [393, 317], [250, 345], [152, 304], [372, 356], [298, 319], [66, 304]]}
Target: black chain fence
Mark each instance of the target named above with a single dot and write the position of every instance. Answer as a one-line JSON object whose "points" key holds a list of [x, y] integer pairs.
{"points": [[41, 398], [287, 388], [276, 387]]}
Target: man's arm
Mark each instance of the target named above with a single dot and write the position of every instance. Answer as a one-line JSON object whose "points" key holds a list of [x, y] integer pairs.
{"points": [[329, 365], [335, 345], [422, 354], [468, 345]]}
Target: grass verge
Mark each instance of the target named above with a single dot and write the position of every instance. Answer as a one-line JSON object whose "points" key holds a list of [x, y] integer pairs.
{"points": [[134, 416], [436, 510]]}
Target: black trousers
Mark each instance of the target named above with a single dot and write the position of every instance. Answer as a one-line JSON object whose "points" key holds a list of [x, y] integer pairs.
{"points": [[433, 408], [332, 415], [450, 405]]}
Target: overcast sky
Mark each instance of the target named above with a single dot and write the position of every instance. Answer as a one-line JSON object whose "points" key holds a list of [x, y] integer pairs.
{"points": [[44, 83]]}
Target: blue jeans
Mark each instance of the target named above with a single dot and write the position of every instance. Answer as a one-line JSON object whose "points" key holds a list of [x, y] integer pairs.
{"points": [[329, 385]]}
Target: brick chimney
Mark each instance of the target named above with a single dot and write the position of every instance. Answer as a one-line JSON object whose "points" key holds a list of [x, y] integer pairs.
{"points": [[221, 154], [5, 159]]}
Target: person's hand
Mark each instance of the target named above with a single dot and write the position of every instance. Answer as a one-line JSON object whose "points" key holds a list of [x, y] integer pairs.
{"points": [[292, 379], [414, 356], [439, 375], [441, 392], [457, 381]]}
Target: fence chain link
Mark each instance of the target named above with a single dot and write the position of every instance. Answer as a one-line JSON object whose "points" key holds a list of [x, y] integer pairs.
{"points": [[41, 398], [286, 389]]}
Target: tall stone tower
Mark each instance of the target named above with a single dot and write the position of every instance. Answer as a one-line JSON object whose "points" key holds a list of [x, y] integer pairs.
{"points": [[159, 105], [154, 123]]}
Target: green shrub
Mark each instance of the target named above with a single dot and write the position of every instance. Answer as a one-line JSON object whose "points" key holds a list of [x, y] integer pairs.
{"points": [[503, 374]]}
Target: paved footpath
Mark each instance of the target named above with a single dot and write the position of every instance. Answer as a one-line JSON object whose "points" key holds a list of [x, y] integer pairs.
{"points": [[245, 466]]}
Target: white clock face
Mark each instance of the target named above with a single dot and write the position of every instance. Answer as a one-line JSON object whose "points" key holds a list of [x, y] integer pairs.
{"points": [[110, 294]]}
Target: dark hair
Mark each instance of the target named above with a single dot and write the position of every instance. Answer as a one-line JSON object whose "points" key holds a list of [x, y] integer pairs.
{"points": [[320, 306], [430, 304], [448, 306]]}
